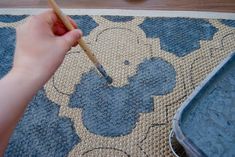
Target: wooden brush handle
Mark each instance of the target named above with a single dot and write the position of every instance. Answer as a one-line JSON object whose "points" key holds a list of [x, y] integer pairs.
{"points": [[70, 27]]}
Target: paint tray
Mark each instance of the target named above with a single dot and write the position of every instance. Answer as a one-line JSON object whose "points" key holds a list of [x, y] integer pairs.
{"points": [[205, 124]]}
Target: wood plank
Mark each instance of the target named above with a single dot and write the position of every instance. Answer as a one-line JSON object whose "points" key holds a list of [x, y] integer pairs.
{"points": [[193, 5]]}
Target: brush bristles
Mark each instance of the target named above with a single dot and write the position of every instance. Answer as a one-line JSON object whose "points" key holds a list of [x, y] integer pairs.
{"points": [[103, 72], [109, 80]]}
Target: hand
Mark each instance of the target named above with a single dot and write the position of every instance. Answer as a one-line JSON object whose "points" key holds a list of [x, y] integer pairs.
{"points": [[42, 43]]}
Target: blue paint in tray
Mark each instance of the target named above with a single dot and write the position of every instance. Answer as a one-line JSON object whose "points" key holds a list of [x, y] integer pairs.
{"points": [[205, 124]]}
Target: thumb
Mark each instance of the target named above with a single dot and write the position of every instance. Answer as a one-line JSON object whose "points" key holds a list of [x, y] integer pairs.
{"points": [[70, 38]]}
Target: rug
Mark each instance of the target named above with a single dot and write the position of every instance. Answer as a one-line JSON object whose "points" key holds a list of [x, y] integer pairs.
{"points": [[155, 62]]}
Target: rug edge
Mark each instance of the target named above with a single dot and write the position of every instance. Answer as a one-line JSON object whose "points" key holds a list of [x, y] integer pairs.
{"points": [[123, 12]]}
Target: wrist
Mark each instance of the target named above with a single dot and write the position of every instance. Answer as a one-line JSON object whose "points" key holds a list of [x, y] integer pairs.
{"points": [[25, 78]]}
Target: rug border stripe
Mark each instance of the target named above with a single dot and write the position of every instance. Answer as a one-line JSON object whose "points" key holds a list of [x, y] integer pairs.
{"points": [[122, 12]]}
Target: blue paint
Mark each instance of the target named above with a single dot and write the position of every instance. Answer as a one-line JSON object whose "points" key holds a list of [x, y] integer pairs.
{"points": [[126, 62], [41, 132], [7, 49], [119, 18], [210, 119], [113, 111], [230, 23], [85, 23], [179, 36], [12, 18]]}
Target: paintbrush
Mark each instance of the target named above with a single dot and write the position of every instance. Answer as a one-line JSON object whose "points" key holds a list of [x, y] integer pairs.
{"points": [[81, 42]]}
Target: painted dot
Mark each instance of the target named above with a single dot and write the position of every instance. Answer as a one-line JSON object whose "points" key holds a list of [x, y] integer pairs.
{"points": [[126, 62]]}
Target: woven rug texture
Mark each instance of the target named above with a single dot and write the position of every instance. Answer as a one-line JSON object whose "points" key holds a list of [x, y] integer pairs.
{"points": [[155, 62]]}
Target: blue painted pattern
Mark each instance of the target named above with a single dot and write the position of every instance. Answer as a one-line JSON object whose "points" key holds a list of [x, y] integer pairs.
{"points": [[41, 132], [119, 18], [179, 36], [113, 111], [11, 18], [7, 48], [85, 23], [230, 23]]}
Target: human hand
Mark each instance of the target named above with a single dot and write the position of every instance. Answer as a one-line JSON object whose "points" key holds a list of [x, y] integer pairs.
{"points": [[41, 45]]}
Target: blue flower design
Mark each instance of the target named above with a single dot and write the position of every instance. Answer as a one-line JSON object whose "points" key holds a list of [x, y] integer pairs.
{"points": [[230, 23], [7, 49], [118, 18], [11, 18], [41, 132], [85, 23], [111, 111], [179, 36]]}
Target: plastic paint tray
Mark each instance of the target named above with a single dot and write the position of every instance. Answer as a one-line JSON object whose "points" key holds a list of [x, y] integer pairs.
{"points": [[196, 98]]}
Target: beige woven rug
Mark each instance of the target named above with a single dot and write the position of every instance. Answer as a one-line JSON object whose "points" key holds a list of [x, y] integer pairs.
{"points": [[155, 62]]}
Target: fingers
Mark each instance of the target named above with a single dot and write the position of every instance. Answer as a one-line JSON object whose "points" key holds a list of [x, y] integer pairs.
{"points": [[49, 17], [75, 44], [59, 28], [70, 39], [66, 39]]}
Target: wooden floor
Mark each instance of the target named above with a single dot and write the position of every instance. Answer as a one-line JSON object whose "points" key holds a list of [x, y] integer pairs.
{"points": [[202, 5]]}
